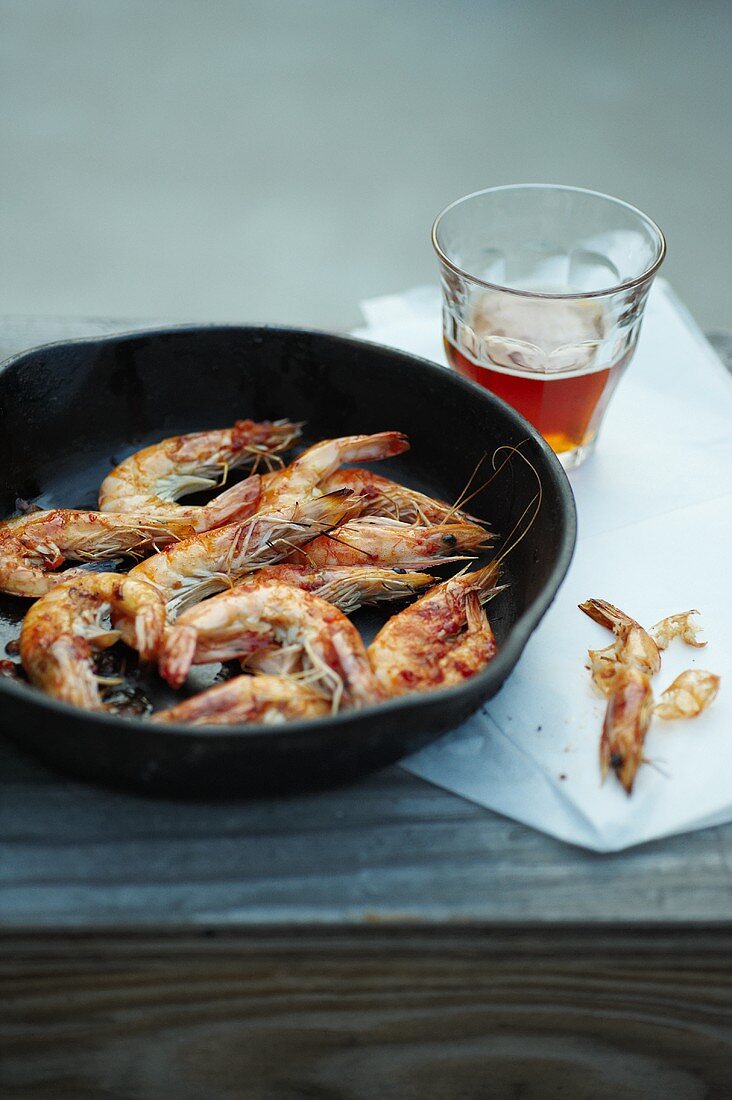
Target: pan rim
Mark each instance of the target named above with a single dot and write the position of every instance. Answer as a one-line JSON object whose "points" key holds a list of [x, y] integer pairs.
{"points": [[498, 669]]}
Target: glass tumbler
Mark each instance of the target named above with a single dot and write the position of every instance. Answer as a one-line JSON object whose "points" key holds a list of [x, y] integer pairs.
{"points": [[544, 289]]}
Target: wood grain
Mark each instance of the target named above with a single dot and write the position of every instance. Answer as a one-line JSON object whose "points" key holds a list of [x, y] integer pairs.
{"points": [[399, 1013], [391, 848]]}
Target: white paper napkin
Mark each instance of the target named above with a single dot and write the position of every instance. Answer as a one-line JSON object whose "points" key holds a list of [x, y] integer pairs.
{"points": [[655, 537]]}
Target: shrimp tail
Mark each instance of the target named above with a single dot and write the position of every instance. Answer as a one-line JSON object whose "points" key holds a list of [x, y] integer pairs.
{"points": [[371, 447], [237, 503], [140, 614], [149, 628], [483, 581], [474, 614], [179, 650], [359, 680], [75, 679], [605, 614]]}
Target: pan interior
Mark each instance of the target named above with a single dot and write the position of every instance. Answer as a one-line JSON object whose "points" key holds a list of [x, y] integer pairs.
{"points": [[72, 412], [78, 485]]}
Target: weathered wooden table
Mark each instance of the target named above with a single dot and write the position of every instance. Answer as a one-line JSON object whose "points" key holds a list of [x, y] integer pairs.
{"points": [[381, 940]]}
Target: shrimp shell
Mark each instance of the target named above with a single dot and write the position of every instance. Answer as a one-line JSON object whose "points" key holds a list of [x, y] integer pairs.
{"points": [[61, 631], [690, 693], [388, 499], [300, 480], [674, 626], [627, 718], [266, 700], [151, 480], [371, 540], [32, 547], [253, 617], [634, 645], [211, 562], [442, 639], [348, 587]]}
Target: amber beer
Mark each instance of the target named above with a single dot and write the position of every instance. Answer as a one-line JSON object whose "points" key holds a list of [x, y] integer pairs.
{"points": [[543, 292], [565, 408]]}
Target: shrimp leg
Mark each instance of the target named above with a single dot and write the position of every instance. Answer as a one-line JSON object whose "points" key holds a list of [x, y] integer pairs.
{"points": [[390, 500], [347, 586]]}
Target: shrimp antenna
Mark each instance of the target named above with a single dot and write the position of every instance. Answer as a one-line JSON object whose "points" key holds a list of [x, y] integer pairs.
{"points": [[334, 538], [534, 503], [300, 549], [464, 498], [656, 766]]}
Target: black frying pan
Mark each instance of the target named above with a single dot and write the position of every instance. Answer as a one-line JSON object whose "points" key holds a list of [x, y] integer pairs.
{"points": [[68, 412]]}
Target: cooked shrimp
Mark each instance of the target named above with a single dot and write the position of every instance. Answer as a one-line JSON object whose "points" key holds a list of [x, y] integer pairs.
{"points": [[627, 718], [633, 647], [32, 547], [382, 497], [347, 586], [674, 626], [285, 489], [253, 617], [213, 561], [369, 540], [267, 700], [442, 639], [238, 503], [690, 693], [63, 628], [152, 480]]}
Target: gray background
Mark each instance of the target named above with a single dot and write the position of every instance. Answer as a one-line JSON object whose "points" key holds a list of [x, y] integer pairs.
{"points": [[283, 159]]}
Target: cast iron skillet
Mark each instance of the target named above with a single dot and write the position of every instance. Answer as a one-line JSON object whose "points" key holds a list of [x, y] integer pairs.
{"points": [[69, 411]]}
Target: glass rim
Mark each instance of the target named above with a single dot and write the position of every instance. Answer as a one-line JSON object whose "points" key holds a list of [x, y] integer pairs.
{"points": [[627, 284]]}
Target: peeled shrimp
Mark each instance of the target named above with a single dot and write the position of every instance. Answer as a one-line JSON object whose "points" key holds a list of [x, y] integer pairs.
{"points": [[213, 561], [63, 628], [389, 499], [285, 489], [627, 718], [348, 587], [253, 617], [442, 639], [32, 547], [267, 700], [370, 540], [152, 480]]}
